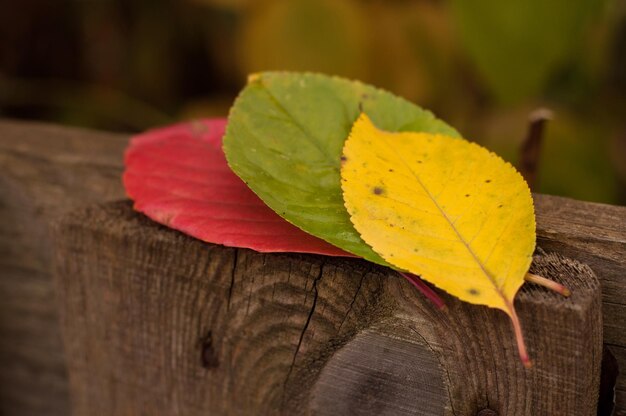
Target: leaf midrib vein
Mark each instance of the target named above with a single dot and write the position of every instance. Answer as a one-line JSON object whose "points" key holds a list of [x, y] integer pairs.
{"points": [[311, 139], [443, 213]]}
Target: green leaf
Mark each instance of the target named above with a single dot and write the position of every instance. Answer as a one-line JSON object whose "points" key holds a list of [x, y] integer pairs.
{"points": [[285, 136], [517, 45]]}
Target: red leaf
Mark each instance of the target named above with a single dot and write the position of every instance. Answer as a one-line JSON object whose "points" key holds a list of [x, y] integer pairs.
{"points": [[178, 176]]}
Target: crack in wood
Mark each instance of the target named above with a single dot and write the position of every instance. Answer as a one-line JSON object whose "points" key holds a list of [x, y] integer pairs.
{"points": [[251, 285], [232, 278], [304, 328], [358, 289], [41, 188], [445, 370]]}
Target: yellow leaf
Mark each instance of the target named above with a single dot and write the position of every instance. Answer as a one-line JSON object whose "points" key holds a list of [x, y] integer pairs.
{"points": [[444, 208]]}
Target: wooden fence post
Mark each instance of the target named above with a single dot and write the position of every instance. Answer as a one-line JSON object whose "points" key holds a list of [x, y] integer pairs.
{"points": [[47, 171], [158, 323]]}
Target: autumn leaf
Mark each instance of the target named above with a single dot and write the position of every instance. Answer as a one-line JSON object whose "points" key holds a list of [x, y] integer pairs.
{"points": [[178, 176], [446, 209], [284, 139]]}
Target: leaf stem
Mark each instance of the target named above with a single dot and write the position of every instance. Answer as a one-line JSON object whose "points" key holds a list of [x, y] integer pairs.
{"points": [[425, 289], [547, 283], [519, 337]]}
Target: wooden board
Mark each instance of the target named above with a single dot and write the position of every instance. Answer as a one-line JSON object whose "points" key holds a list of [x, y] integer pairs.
{"points": [[596, 235], [44, 171], [47, 170], [158, 323]]}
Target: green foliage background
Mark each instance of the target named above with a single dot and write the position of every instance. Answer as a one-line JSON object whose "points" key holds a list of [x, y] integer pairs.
{"points": [[480, 65]]}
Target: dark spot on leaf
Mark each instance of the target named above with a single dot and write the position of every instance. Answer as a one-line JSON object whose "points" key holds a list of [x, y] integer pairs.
{"points": [[415, 250], [343, 158], [377, 190], [488, 181], [473, 291], [500, 206], [390, 170], [419, 161], [467, 195], [392, 225]]}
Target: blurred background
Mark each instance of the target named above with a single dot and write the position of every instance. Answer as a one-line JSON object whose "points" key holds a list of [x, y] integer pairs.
{"points": [[481, 65]]}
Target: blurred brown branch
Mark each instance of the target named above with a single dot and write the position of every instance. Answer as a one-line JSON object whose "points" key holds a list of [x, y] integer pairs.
{"points": [[530, 151]]}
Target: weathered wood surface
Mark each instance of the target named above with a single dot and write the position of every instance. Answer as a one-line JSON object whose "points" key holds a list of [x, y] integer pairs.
{"points": [[47, 170], [161, 324], [596, 235], [44, 171]]}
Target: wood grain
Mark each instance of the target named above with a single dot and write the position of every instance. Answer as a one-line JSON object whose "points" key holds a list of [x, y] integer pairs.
{"points": [[302, 334], [596, 235], [46, 171]]}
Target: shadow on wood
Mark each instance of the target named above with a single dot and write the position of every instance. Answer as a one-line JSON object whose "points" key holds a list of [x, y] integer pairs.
{"points": [[158, 323]]}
